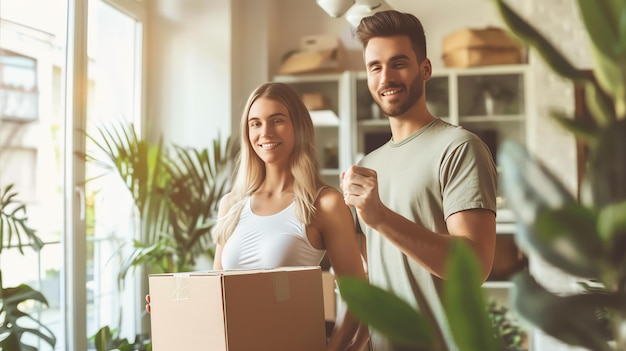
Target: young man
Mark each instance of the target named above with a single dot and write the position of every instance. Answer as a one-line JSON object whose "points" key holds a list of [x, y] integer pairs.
{"points": [[432, 183]]}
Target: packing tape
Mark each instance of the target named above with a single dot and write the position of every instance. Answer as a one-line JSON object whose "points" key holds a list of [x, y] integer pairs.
{"points": [[280, 280], [182, 287]]}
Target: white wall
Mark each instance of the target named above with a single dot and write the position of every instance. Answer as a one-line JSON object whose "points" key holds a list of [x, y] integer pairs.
{"points": [[189, 70]]}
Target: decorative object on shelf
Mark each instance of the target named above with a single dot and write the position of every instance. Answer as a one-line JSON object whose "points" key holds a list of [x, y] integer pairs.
{"points": [[315, 101], [469, 47], [492, 95]]}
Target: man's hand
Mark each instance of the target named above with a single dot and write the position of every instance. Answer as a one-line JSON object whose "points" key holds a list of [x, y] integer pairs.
{"points": [[360, 189]]}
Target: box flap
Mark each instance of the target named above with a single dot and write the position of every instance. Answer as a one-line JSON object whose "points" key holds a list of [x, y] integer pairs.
{"points": [[266, 302], [186, 311]]}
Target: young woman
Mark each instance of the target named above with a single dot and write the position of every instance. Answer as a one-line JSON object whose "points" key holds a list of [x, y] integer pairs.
{"points": [[279, 212]]}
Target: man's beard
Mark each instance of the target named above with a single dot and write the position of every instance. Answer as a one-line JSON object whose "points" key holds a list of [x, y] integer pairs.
{"points": [[415, 91]]}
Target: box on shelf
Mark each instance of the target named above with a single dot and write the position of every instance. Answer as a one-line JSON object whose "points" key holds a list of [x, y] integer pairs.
{"points": [[317, 54], [238, 310], [481, 47], [315, 101]]}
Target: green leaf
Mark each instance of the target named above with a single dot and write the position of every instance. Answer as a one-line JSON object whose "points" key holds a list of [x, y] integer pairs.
{"points": [[16, 323], [531, 36], [612, 229], [554, 314], [599, 104], [606, 169], [601, 18], [612, 221], [584, 129], [385, 312], [570, 239], [610, 75], [533, 192], [14, 229], [464, 301]]}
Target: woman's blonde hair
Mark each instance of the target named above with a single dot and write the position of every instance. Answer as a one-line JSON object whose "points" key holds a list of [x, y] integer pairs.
{"points": [[251, 169]]}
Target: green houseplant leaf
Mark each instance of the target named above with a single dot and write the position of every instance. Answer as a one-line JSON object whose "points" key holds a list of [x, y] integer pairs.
{"points": [[534, 193], [556, 316], [465, 303], [386, 312], [16, 323], [13, 225]]}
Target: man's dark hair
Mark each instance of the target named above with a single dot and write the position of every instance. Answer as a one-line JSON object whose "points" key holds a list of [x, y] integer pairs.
{"points": [[390, 23]]}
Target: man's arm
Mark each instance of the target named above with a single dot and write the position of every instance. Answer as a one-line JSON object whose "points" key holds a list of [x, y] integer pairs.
{"points": [[476, 227]]}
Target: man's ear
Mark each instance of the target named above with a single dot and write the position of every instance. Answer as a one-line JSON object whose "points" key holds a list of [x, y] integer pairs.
{"points": [[428, 69]]}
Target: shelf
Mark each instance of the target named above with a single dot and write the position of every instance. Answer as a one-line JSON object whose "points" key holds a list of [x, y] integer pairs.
{"points": [[324, 118], [505, 228], [497, 284], [480, 70]]}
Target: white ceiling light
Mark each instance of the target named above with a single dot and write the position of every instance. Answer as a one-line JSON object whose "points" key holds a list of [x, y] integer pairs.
{"points": [[335, 8], [365, 8]]}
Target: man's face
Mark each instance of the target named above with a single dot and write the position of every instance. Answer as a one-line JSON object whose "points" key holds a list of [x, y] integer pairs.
{"points": [[394, 75]]}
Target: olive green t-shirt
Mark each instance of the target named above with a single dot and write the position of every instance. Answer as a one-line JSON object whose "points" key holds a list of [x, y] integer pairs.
{"points": [[439, 170]]}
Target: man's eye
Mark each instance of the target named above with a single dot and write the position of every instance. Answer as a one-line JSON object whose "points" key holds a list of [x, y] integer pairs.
{"points": [[400, 64]]}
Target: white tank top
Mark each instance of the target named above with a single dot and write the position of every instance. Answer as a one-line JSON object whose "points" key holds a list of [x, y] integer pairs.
{"points": [[261, 242]]}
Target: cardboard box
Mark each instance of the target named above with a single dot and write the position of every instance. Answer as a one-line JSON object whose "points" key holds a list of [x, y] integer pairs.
{"points": [[317, 54], [481, 47], [238, 310]]}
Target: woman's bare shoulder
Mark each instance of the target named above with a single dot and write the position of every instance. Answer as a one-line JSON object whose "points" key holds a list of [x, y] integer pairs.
{"points": [[329, 199]]}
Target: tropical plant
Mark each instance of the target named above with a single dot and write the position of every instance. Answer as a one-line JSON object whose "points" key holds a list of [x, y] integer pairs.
{"points": [[176, 196], [584, 237], [14, 322], [506, 327]]}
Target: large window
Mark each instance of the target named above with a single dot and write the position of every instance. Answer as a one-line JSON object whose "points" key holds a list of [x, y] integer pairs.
{"points": [[41, 128]]}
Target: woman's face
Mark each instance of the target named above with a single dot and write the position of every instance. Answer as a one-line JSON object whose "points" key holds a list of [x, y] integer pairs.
{"points": [[270, 131]]}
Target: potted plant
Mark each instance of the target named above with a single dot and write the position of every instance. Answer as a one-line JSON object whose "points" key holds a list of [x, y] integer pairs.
{"points": [[14, 322], [583, 236]]}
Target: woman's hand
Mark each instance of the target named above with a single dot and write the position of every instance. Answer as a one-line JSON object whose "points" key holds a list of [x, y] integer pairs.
{"points": [[148, 303]]}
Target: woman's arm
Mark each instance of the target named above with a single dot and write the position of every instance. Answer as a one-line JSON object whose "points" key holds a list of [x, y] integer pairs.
{"points": [[335, 223]]}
